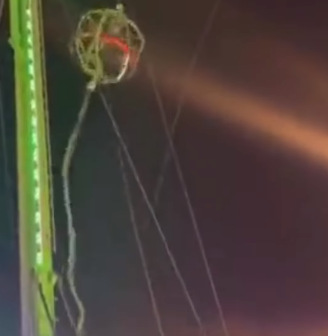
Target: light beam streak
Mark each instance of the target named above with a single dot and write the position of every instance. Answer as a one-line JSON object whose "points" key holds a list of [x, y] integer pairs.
{"points": [[214, 99]]}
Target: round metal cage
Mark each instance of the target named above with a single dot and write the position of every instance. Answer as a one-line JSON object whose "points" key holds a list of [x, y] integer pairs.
{"points": [[107, 45]]}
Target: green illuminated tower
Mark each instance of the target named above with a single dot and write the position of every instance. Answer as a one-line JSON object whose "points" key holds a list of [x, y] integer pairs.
{"points": [[34, 184]]}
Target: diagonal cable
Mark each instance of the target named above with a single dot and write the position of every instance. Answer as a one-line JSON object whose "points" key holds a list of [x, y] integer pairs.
{"points": [[141, 250], [188, 200], [182, 96], [152, 213]]}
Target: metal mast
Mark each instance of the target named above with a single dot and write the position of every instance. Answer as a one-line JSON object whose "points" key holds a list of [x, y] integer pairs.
{"points": [[35, 212]]}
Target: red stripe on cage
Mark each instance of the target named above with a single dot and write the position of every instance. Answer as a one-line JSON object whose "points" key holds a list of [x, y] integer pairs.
{"points": [[121, 45]]}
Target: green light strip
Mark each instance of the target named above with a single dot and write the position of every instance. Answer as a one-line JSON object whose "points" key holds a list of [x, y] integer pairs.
{"points": [[35, 140]]}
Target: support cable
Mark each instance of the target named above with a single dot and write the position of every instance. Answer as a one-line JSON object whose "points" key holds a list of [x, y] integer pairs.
{"points": [[141, 250], [152, 213], [67, 307], [175, 158]]}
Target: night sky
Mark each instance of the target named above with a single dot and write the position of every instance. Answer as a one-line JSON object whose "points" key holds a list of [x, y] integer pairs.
{"points": [[253, 146]]}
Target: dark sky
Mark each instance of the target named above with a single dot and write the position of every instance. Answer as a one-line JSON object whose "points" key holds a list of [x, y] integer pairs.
{"points": [[261, 204]]}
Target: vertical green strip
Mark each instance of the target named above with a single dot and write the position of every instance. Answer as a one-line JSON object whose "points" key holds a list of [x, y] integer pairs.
{"points": [[28, 316], [35, 224], [39, 254], [45, 269]]}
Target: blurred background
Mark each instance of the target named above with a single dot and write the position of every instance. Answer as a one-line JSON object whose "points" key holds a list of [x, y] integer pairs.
{"points": [[253, 144]]}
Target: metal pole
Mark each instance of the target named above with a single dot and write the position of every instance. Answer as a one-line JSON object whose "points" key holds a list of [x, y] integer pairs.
{"points": [[35, 212]]}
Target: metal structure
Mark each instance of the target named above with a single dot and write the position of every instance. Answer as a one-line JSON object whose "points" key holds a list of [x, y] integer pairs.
{"points": [[107, 45], [102, 36], [35, 212]]}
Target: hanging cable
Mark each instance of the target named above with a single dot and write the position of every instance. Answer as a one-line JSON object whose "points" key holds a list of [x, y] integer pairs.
{"points": [[191, 211], [152, 213], [67, 201], [142, 254], [66, 304], [60, 283]]}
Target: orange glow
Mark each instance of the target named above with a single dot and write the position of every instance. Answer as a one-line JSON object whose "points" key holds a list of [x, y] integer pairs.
{"points": [[217, 100]]}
